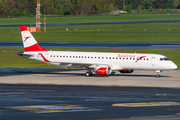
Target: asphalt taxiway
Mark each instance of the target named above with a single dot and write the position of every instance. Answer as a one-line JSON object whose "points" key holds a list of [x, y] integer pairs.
{"points": [[27, 94], [45, 102], [168, 79]]}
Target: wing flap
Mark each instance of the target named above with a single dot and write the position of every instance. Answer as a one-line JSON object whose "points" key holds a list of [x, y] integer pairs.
{"points": [[74, 64]]}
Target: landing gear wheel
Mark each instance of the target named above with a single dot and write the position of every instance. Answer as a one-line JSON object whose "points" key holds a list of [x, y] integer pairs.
{"points": [[87, 74], [158, 73]]}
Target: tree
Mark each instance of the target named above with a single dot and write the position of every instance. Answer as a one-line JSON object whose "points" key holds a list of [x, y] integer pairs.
{"points": [[97, 6], [146, 4], [63, 7], [137, 3], [163, 4], [139, 8], [3, 8], [11, 7], [177, 4], [151, 9], [48, 6], [110, 7], [129, 8]]}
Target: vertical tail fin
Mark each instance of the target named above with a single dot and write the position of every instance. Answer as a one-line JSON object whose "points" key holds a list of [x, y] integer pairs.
{"points": [[30, 44]]}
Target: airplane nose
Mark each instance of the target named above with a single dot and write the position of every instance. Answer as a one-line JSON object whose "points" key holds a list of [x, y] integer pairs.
{"points": [[173, 66]]}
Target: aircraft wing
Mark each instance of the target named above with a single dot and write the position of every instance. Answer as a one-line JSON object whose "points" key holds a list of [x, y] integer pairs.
{"points": [[74, 64]]}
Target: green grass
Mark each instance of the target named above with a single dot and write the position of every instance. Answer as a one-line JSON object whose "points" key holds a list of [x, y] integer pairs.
{"points": [[146, 32], [90, 18], [15, 61], [149, 32]]}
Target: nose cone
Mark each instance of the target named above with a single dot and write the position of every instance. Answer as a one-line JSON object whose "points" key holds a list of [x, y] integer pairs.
{"points": [[173, 66]]}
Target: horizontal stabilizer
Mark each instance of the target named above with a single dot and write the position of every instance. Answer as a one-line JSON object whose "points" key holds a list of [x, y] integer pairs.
{"points": [[19, 53]]}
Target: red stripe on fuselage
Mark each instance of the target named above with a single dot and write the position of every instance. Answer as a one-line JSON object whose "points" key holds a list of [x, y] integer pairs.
{"points": [[44, 58], [34, 47], [140, 58]]}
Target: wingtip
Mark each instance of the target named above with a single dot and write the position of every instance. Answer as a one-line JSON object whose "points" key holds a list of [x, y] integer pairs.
{"points": [[23, 28]]}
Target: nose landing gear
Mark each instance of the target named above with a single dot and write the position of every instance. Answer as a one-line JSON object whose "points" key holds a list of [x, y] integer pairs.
{"points": [[158, 73]]}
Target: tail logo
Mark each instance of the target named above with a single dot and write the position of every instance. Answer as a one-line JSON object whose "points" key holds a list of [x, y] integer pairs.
{"points": [[26, 38]]}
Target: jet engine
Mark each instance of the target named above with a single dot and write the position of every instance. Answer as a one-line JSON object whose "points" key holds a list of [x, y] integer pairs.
{"points": [[126, 71], [103, 70]]}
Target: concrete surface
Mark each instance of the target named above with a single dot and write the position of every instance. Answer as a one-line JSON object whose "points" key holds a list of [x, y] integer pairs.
{"points": [[169, 79]]}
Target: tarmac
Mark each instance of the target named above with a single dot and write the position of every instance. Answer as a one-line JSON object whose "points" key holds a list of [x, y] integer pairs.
{"points": [[168, 79]]}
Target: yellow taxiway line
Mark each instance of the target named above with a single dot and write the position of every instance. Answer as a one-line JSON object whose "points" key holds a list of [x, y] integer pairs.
{"points": [[146, 104]]}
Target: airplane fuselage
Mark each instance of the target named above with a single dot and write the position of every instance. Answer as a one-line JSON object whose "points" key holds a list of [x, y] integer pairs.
{"points": [[97, 62], [117, 61]]}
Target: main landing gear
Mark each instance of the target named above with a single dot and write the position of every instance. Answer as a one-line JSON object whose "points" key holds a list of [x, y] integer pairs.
{"points": [[158, 73], [87, 74]]}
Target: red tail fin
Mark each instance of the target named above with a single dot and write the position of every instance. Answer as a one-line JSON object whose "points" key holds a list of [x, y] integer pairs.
{"points": [[30, 44]]}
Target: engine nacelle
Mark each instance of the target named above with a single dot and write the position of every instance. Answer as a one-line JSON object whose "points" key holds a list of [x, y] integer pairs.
{"points": [[126, 71], [103, 70]]}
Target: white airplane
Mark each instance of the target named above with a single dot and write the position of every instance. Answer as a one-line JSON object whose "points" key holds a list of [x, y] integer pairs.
{"points": [[98, 62]]}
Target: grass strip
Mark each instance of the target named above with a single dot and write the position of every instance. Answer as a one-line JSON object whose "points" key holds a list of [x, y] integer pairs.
{"points": [[150, 32], [90, 18]]}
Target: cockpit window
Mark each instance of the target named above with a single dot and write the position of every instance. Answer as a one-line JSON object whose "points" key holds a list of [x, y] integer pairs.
{"points": [[164, 59], [161, 59]]}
